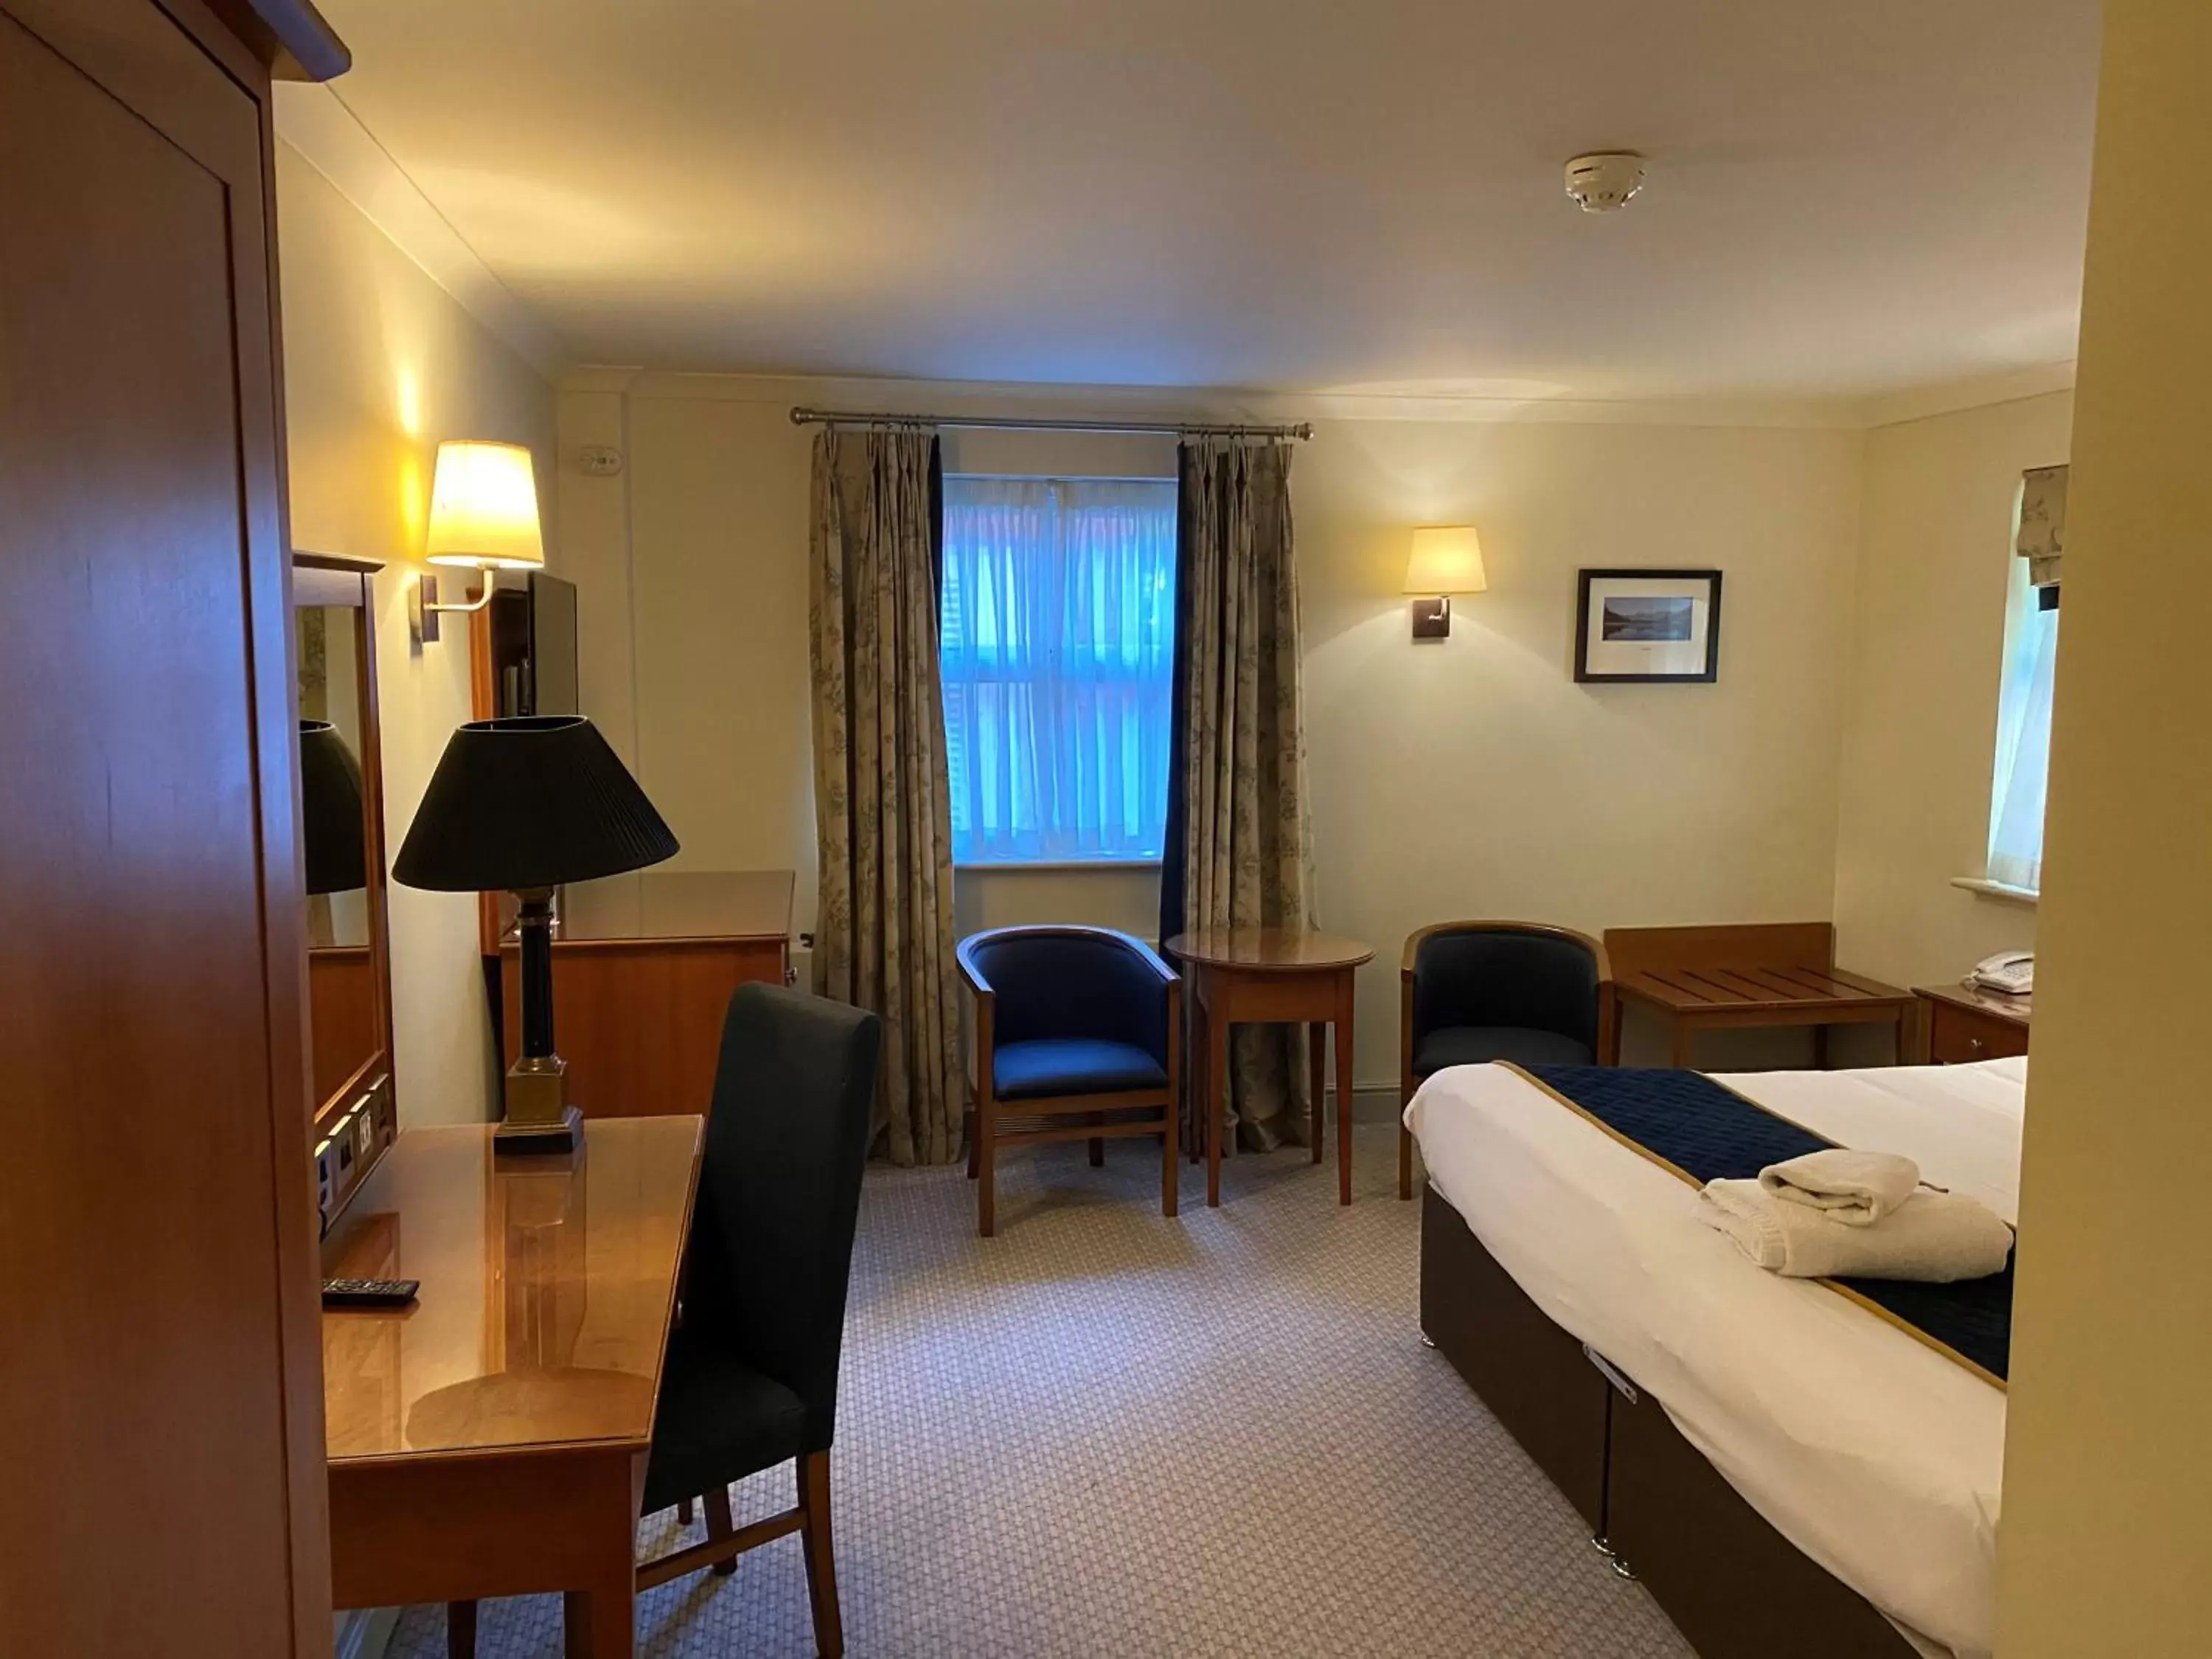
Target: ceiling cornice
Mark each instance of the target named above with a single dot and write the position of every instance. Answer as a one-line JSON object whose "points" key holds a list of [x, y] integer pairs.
{"points": [[1922, 403], [316, 122], [1215, 403]]}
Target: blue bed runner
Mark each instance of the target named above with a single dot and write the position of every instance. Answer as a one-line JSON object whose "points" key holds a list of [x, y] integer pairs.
{"points": [[1704, 1131]]}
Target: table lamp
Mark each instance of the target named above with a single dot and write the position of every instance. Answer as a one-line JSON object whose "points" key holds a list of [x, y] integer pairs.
{"points": [[1445, 560], [330, 810], [526, 804]]}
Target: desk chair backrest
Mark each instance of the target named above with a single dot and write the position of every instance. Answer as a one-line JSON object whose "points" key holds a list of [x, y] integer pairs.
{"points": [[771, 1247]]}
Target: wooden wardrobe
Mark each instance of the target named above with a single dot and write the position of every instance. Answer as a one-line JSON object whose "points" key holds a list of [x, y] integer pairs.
{"points": [[161, 1396]]}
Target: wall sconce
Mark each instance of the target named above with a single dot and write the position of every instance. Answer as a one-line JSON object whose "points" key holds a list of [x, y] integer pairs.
{"points": [[1446, 559], [483, 516]]}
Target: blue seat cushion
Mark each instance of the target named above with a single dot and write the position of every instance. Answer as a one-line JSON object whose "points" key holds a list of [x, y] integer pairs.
{"points": [[1042, 1069], [1474, 1045]]}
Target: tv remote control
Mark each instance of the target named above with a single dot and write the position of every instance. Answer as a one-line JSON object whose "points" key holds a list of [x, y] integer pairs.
{"points": [[370, 1293]]}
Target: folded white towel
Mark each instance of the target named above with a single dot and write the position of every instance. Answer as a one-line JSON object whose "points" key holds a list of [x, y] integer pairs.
{"points": [[1856, 1188], [1934, 1236]]}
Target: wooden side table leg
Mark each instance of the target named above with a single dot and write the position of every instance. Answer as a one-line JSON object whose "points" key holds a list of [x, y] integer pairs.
{"points": [[1684, 1035], [1317, 1081], [1216, 1102], [1344, 1087]]}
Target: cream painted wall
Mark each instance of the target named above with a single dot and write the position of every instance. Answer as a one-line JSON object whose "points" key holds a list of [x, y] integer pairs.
{"points": [[2107, 1463], [1920, 727], [1450, 780], [1474, 778], [379, 364]]}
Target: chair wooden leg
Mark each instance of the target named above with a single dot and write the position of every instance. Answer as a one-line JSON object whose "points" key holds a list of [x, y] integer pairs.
{"points": [[719, 1525], [460, 1629], [821, 1553], [1097, 1153], [987, 1171], [1170, 1177], [683, 1512], [970, 1126]]}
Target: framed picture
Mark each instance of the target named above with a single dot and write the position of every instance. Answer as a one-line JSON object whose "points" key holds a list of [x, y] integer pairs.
{"points": [[1641, 626]]}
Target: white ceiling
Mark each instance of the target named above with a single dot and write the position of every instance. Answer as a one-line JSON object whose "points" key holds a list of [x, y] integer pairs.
{"points": [[1847, 196]]}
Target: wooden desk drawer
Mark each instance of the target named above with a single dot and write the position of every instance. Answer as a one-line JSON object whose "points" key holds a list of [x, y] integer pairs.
{"points": [[1958, 1036]]}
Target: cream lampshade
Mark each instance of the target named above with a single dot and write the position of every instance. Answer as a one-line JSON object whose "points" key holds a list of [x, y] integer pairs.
{"points": [[1445, 560], [484, 508], [483, 516]]}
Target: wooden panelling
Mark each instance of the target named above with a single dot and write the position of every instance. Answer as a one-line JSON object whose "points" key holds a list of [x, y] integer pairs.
{"points": [[643, 968], [156, 1206], [640, 1021], [341, 993]]}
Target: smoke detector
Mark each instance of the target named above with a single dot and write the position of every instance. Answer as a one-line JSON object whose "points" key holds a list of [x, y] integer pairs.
{"points": [[1603, 182]]}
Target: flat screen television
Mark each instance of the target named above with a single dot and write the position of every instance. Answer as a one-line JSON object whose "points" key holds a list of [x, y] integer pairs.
{"points": [[533, 647]]}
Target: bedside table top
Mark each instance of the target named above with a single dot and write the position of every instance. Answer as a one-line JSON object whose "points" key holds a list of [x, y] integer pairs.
{"points": [[1975, 999]]}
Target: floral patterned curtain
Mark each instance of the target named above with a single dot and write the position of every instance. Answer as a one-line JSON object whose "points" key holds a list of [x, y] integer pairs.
{"points": [[1240, 836], [884, 933]]}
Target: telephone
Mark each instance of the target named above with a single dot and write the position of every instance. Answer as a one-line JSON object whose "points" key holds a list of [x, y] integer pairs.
{"points": [[2012, 972]]}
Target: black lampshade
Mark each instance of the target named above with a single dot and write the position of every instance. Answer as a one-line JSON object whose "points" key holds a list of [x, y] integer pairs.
{"points": [[529, 802], [330, 810]]}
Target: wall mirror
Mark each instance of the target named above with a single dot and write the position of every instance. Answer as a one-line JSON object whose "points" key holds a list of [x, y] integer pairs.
{"points": [[341, 841]]}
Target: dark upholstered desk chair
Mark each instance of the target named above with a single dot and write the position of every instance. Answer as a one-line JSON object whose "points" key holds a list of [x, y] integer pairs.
{"points": [[1475, 991], [1071, 1023], [752, 1377]]}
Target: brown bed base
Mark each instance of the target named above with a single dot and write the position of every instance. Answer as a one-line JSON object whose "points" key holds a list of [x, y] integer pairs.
{"points": [[1734, 1586]]}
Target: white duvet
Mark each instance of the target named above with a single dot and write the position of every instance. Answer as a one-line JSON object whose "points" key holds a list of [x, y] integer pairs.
{"points": [[1877, 1456]]}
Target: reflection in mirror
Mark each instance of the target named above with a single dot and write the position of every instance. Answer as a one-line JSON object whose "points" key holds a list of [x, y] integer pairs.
{"points": [[335, 831]]}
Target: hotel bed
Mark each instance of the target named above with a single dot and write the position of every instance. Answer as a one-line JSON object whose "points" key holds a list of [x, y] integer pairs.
{"points": [[1876, 1457]]}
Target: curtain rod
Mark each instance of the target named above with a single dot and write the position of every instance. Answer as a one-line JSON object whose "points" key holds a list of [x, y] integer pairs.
{"points": [[802, 416]]}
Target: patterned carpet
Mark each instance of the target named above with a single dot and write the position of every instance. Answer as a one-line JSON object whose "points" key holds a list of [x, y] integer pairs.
{"points": [[1103, 1432]]}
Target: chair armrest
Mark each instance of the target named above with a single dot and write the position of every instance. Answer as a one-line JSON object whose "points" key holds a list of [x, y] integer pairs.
{"points": [[971, 970]]}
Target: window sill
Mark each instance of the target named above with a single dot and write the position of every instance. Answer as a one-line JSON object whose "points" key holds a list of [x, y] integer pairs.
{"points": [[1985, 888], [1059, 865]]}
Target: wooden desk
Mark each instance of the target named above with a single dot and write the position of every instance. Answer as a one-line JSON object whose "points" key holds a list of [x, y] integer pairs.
{"points": [[643, 966], [1276, 976], [1731, 978], [1965, 1023], [492, 1439]]}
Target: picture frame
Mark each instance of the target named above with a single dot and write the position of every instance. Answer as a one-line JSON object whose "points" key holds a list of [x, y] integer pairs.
{"points": [[1647, 627]]}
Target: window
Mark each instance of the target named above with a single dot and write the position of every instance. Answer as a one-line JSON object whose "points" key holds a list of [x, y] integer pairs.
{"points": [[1057, 633], [2023, 735]]}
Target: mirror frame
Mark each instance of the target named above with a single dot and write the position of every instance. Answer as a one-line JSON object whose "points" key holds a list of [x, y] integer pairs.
{"points": [[336, 581]]}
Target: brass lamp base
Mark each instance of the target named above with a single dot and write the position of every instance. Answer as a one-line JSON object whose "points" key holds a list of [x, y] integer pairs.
{"points": [[539, 1118]]}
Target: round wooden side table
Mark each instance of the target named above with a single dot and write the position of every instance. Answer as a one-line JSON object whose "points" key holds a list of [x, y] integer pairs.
{"points": [[1271, 975]]}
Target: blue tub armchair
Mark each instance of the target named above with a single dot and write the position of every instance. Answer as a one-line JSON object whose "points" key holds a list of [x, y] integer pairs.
{"points": [[1078, 1037], [1475, 991]]}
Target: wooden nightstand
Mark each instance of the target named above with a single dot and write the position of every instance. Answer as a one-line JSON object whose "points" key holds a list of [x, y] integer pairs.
{"points": [[1959, 1023]]}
